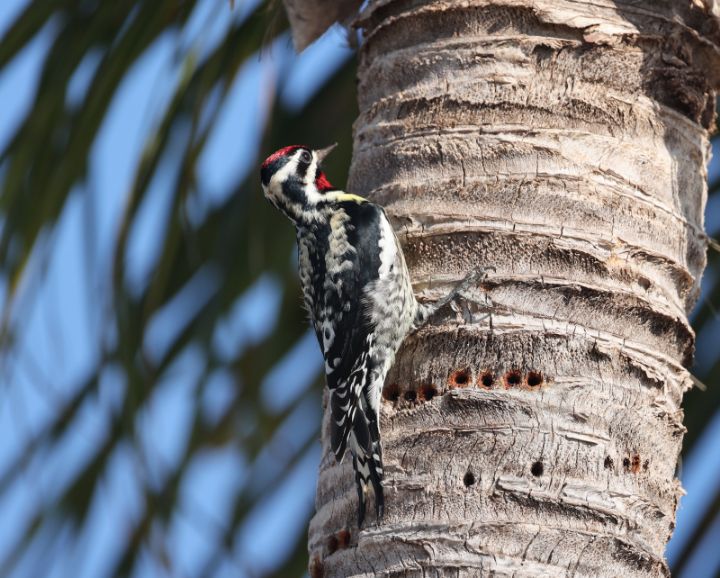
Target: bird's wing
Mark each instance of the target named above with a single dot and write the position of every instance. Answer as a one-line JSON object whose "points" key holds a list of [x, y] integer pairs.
{"points": [[346, 332]]}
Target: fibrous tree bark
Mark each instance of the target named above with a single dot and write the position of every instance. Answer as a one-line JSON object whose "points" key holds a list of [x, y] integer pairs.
{"points": [[563, 142]]}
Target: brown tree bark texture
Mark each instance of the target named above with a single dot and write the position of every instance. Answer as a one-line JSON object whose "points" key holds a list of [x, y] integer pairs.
{"points": [[565, 143]]}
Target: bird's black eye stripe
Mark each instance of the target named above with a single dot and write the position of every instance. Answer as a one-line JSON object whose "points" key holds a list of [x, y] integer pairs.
{"points": [[302, 169], [304, 163]]}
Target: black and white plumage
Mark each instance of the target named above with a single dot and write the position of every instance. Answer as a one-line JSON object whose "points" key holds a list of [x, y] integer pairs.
{"points": [[357, 289]]}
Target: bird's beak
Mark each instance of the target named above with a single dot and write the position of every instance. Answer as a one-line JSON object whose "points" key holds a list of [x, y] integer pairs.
{"points": [[322, 153]]}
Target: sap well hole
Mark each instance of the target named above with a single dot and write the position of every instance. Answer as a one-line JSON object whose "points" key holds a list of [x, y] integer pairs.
{"points": [[343, 538], [469, 479], [513, 378], [534, 379], [460, 378], [391, 392], [487, 379], [537, 469], [428, 391]]}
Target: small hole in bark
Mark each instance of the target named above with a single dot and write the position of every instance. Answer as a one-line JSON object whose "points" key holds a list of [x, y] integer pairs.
{"points": [[542, 52], [460, 378], [343, 538], [644, 282], [534, 379], [428, 391], [609, 464], [487, 380], [626, 464], [332, 544], [410, 395], [391, 392], [316, 570], [635, 464], [469, 479], [513, 378], [646, 465], [537, 469]]}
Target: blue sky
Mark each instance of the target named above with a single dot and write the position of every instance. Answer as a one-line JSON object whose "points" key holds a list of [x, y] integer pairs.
{"points": [[64, 328]]}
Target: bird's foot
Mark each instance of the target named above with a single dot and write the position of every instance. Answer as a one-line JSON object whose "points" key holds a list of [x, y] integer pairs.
{"points": [[472, 278]]}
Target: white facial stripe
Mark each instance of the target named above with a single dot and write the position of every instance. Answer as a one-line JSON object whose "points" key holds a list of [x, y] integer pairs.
{"points": [[388, 248], [310, 174], [313, 195], [280, 176]]}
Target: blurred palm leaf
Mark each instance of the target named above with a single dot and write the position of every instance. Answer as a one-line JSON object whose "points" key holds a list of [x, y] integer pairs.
{"points": [[205, 258]]}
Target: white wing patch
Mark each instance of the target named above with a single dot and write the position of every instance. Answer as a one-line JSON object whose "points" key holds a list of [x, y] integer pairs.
{"points": [[388, 248]]}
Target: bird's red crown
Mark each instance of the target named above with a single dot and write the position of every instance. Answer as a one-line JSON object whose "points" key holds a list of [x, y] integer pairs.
{"points": [[281, 153]]}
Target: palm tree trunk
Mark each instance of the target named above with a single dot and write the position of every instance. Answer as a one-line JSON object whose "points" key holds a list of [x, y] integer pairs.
{"points": [[565, 143]]}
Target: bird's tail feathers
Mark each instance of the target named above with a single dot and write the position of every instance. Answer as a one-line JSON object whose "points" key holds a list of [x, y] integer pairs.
{"points": [[346, 418], [347, 415], [355, 426], [368, 472]]}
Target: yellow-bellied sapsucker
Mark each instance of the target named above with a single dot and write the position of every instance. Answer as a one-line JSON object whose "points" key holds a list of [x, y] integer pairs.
{"points": [[357, 289]]}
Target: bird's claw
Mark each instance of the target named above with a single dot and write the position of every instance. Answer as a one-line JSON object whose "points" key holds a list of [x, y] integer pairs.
{"points": [[480, 273]]}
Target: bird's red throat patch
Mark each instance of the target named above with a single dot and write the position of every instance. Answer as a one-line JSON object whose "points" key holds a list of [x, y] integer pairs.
{"points": [[322, 183]]}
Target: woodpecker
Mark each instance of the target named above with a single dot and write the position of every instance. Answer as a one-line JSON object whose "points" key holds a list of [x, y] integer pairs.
{"points": [[357, 290]]}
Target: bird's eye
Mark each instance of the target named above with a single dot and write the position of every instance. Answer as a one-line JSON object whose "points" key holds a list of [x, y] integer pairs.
{"points": [[306, 157]]}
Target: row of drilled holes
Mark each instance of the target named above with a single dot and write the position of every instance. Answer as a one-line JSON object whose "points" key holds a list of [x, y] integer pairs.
{"points": [[537, 469], [463, 378], [488, 379], [391, 392], [630, 464]]}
